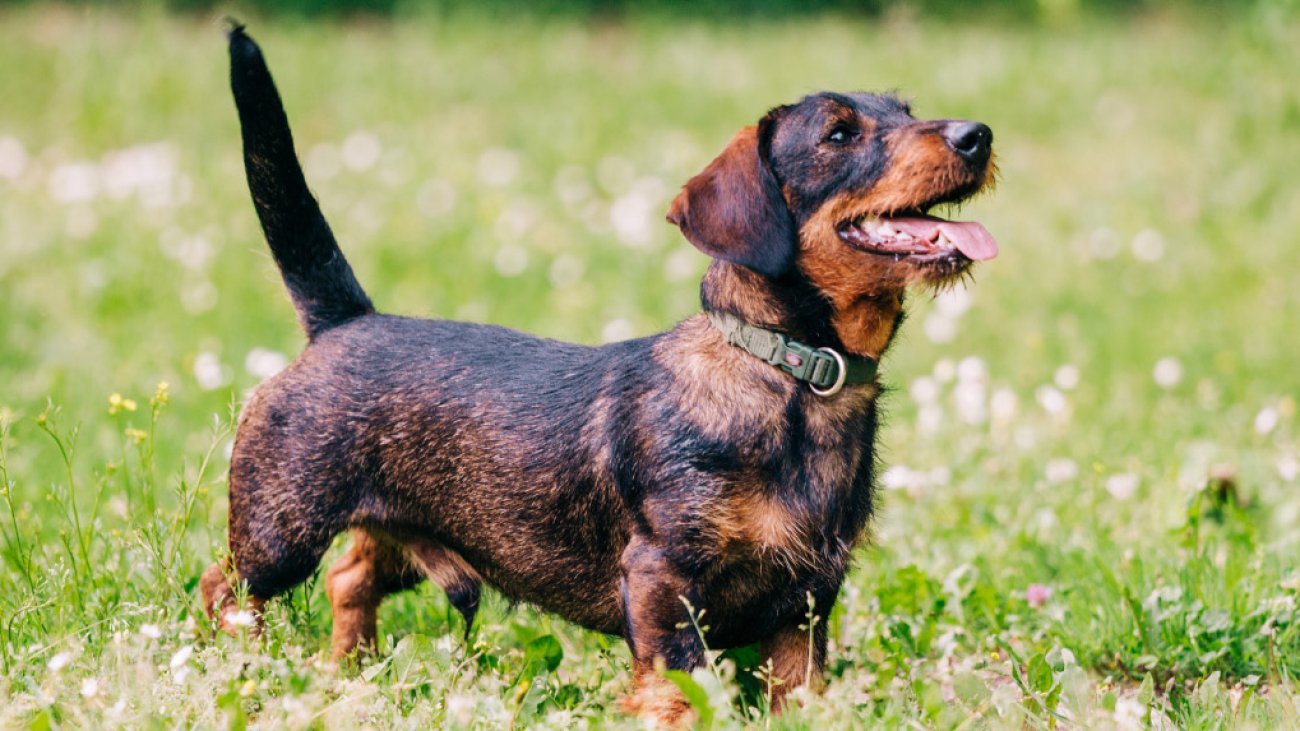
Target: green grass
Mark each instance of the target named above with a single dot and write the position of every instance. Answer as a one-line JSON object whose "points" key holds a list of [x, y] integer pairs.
{"points": [[1147, 212]]}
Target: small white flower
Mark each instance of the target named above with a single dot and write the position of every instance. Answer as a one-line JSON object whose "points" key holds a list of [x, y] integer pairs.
{"points": [[152, 631], [940, 327], [59, 661], [89, 687], [1266, 420], [925, 390], [1003, 405], [1129, 714], [616, 330], [682, 264], [182, 656], [970, 400], [1122, 486], [74, 182], [1061, 470], [896, 477], [953, 302], [1052, 400], [209, 372], [1066, 377], [13, 158], [1148, 245], [242, 618], [1288, 468], [1167, 373], [510, 260], [971, 370], [929, 418], [944, 370], [360, 150], [264, 363]]}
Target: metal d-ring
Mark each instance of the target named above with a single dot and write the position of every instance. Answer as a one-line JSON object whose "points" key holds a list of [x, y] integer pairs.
{"points": [[834, 388]]}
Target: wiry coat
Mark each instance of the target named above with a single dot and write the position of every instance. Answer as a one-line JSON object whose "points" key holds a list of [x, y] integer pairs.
{"points": [[610, 485]]}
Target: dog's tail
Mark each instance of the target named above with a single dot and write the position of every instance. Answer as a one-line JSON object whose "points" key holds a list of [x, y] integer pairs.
{"points": [[321, 284]]}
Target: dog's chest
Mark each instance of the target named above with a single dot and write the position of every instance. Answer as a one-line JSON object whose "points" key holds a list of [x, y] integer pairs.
{"points": [[811, 507]]}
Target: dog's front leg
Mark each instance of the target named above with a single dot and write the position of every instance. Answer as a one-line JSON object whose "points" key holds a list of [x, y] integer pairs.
{"points": [[792, 657], [659, 632]]}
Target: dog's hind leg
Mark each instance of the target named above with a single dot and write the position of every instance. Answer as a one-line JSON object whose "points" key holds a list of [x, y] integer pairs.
{"points": [[281, 523], [458, 580], [374, 567]]}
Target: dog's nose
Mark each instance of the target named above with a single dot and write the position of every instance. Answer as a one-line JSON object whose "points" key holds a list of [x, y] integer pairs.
{"points": [[972, 140]]}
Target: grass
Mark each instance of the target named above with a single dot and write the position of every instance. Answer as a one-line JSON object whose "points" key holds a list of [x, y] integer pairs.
{"points": [[1092, 516]]}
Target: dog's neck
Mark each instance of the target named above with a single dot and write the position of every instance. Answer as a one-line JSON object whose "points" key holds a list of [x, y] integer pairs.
{"points": [[860, 325]]}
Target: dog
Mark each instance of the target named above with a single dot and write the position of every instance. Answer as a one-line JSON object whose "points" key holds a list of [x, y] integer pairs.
{"points": [[726, 464]]}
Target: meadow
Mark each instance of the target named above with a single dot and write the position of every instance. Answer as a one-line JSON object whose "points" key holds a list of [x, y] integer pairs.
{"points": [[1091, 512]]}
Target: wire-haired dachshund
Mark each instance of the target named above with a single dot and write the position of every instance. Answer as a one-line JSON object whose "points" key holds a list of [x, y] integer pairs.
{"points": [[727, 462]]}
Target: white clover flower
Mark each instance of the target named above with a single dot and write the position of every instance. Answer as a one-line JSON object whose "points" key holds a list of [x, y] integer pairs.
{"points": [[896, 477], [940, 328], [1148, 245], [264, 363], [1288, 468], [1061, 470], [616, 330], [181, 657], [1052, 400], [1002, 405], [944, 370], [59, 662], [1167, 373], [1066, 377], [634, 215], [152, 631], [1123, 485], [242, 618], [360, 150], [1266, 420], [925, 390], [510, 260], [209, 372], [972, 370], [89, 687], [953, 302]]}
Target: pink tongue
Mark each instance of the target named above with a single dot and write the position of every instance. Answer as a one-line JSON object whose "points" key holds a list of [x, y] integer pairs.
{"points": [[970, 238]]}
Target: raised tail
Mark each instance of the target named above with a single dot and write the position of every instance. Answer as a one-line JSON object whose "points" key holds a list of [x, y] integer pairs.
{"points": [[323, 288]]}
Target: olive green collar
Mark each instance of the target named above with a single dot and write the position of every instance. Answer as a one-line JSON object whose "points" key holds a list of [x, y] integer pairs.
{"points": [[824, 369]]}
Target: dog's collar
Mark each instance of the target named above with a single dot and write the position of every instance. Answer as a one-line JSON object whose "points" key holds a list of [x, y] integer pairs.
{"points": [[825, 370]]}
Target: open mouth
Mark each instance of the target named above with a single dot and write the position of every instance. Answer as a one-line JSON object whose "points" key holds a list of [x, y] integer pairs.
{"points": [[919, 235]]}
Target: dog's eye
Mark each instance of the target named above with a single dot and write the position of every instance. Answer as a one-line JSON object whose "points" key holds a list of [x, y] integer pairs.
{"points": [[841, 134]]}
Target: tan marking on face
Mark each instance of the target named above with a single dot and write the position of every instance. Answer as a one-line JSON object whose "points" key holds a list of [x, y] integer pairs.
{"points": [[865, 289]]}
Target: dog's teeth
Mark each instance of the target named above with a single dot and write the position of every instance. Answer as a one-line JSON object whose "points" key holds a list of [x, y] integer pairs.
{"points": [[943, 242], [886, 229], [869, 225], [903, 236]]}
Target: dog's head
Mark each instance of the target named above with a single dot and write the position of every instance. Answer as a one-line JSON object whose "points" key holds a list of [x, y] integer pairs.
{"points": [[838, 188]]}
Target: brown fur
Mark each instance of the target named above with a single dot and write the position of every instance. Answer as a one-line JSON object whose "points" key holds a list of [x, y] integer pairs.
{"points": [[614, 486]]}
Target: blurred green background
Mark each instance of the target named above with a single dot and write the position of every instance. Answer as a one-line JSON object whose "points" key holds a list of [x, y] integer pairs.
{"points": [[1056, 423]]}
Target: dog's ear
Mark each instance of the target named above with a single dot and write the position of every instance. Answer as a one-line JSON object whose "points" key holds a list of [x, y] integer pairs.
{"points": [[734, 209]]}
